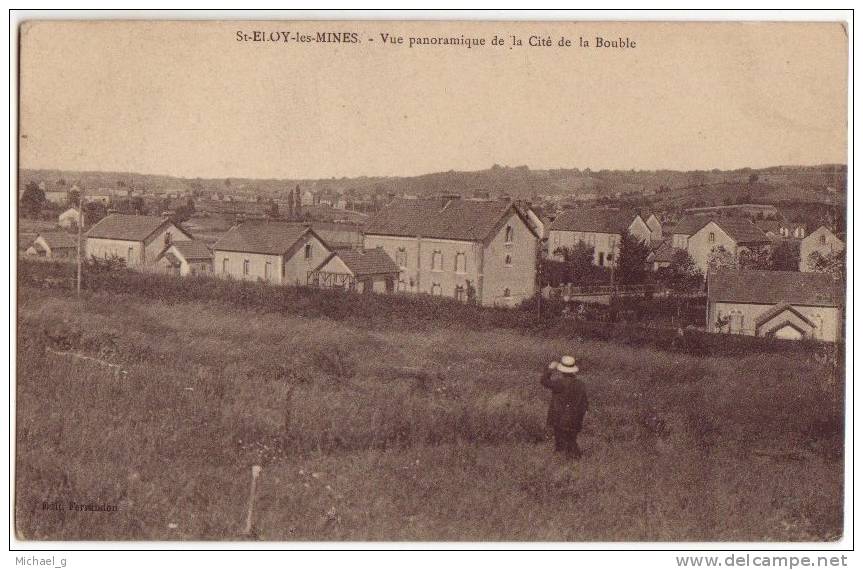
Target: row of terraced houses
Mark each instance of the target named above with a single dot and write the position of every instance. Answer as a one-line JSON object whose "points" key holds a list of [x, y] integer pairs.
{"points": [[479, 251]]}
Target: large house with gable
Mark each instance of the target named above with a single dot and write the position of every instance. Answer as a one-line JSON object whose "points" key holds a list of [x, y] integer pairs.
{"points": [[602, 229], [478, 250], [139, 240], [780, 304], [275, 252], [702, 235]]}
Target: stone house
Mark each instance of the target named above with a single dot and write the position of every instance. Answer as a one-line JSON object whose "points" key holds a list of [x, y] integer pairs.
{"points": [[139, 240]]}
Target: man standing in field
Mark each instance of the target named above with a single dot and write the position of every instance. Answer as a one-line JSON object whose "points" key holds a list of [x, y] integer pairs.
{"points": [[568, 404]]}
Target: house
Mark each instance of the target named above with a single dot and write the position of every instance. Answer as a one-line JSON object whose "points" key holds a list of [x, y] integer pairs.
{"points": [[139, 240], [601, 229], [471, 250], [821, 241], [307, 198], [274, 252], [102, 195], [54, 245], [69, 218], [684, 228], [662, 256], [733, 234], [186, 258], [59, 197], [361, 270], [780, 304], [655, 227]]}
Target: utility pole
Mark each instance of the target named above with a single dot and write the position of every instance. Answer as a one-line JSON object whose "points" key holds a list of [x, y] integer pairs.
{"points": [[80, 234]]}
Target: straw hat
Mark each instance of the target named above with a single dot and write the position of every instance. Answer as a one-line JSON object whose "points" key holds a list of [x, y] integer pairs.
{"points": [[567, 365]]}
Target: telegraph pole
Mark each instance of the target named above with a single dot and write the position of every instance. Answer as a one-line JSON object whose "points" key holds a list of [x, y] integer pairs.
{"points": [[80, 234]]}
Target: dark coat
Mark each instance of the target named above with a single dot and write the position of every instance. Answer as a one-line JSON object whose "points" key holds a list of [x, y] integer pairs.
{"points": [[568, 400]]}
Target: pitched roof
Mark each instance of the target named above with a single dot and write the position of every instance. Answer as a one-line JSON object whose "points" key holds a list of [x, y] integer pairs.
{"points": [[464, 220], [778, 309], [742, 230], [366, 261], [598, 221], [193, 249], [768, 225], [59, 240], [274, 238], [127, 227], [665, 252], [690, 224], [172, 259], [771, 287]]}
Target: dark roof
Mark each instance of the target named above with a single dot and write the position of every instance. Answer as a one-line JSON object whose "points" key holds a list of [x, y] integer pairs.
{"points": [[274, 238], [768, 225], [772, 287], [688, 225], [742, 230], [127, 227], [599, 221], [193, 249], [59, 240], [665, 252], [366, 261], [466, 220]]}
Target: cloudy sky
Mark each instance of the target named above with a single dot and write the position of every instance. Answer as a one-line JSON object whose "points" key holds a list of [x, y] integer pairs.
{"points": [[188, 99]]}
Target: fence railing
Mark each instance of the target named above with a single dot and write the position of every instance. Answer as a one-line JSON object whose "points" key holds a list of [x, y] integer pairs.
{"points": [[570, 291]]}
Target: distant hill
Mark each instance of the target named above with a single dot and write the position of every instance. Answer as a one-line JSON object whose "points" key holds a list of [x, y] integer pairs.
{"points": [[823, 184]]}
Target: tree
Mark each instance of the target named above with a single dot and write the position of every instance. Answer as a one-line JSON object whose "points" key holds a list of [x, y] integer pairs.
{"points": [[682, 274], [227, 182], [753, 178], [833, 263], [578, 259], [785, 256], [33, 199], [94, 211], [755, 258], [721, 258], [273, 209], [631, 260], [298, 203], [138, 206], [73, 198]]}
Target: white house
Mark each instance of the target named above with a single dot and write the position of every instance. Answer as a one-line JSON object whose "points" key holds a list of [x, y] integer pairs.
{"points": [[54, 245], [139, 240], [69, 218], [274, 252], [732, 234], [780, 304], [186, 258], [602, 229], [821, 241]]}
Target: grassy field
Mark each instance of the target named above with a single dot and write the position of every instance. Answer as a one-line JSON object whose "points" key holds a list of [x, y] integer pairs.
{"points": [[356, 445]]}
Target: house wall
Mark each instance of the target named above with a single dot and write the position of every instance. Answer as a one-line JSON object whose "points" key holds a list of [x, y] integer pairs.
{"points": [[700, 246], [812, 243], [484, 268], [826, 319], [68, 219], [519, 277], [257, 266], [156, 244], [655, 227], [56, 252], [604, 244], [131, 251], [418, 276], [297, 265]]}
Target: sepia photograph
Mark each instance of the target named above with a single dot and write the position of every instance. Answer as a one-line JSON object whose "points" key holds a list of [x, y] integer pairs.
{"points": [[381, 280]]}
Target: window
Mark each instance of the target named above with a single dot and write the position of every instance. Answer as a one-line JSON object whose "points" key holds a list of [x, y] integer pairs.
{"points": [[167, 238], [308, 251], [459, 293], [225, 266], [611, 241], [508, 234], [268, 270], [735, 322], [460, 263], [711, 237], [506, 293], [437, 260], [245, 267], [435, 289], [601, 258], [130, 254], [610, 257], [402, 257], [507, 260], [822, 240]]}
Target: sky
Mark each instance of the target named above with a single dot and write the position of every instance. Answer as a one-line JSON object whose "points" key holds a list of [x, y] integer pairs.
{"points": [[188, 99]]}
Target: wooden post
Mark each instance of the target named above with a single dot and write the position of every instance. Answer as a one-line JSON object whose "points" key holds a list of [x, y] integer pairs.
{"points": [[247, 529], [80, 234]]}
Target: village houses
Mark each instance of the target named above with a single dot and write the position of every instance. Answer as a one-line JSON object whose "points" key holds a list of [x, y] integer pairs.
{"points": [[139, 240], [53, 245], [700, 236], [191, 257], [470, 250], [821, 241], [601, 229], [275, 252], [359, 270], [780, 304]]}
